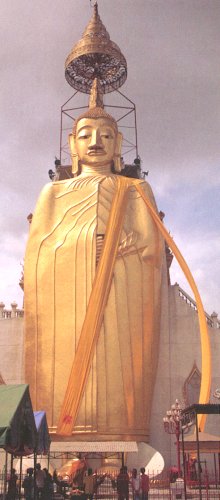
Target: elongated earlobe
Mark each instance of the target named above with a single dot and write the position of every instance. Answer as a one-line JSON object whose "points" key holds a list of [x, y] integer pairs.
{"points": [[74, 155], [117, 155]]}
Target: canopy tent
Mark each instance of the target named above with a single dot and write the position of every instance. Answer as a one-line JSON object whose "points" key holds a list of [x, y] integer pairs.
{"points": [[43, 437], [94, 446], [207, 443], [18, 434]]}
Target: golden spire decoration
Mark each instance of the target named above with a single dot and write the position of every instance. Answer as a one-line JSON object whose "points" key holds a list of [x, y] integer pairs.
{"points": [[95, 55], [96, 96]]}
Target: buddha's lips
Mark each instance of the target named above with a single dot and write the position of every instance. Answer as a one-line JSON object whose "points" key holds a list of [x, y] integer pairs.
{"points": [[96, 152]]}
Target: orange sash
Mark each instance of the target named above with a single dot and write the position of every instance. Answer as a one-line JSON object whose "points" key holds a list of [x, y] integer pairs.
{"points": [[95, 311], [204, 336], [98, 299]]}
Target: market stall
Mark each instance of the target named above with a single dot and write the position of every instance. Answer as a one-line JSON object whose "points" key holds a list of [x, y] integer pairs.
{"points": [[18, 433]]}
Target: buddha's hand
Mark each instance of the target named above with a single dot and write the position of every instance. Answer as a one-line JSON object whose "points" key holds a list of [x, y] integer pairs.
{"points": [[128, 244]]}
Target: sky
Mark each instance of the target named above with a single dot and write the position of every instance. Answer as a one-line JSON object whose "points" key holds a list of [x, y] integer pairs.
{"points": [[172, 49]]}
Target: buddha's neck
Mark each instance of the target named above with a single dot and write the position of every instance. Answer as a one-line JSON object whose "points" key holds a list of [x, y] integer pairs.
{"points": [[96, 169]]}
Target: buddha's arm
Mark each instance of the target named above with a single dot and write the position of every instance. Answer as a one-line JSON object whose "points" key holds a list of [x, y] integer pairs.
{"points": [[205, 342], [141, 234], [41, 222]]}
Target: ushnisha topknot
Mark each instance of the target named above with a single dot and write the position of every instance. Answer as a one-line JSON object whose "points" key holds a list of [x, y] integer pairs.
{"points": [[96, 113], [96, 108]]}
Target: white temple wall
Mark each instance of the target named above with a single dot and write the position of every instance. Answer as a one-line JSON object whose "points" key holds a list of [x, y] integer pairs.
{"points": [[11, 347], [180, 352]]}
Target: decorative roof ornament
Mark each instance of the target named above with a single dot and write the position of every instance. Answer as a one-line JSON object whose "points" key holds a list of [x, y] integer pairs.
{"points": [[95, 56]]}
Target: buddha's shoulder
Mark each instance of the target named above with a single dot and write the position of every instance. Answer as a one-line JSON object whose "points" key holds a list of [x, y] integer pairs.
{"points": [[145, 186], [57, 187]]}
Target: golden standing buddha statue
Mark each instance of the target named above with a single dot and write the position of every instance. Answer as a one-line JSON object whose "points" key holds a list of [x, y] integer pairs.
{"points": [[63, 256], [92, 275]]}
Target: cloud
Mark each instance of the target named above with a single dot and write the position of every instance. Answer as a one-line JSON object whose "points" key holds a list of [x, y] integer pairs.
{"points": [[11, 260], [202, 254]]}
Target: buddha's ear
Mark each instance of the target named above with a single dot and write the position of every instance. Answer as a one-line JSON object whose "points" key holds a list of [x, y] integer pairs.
{"points": [[73, 153], [72, 143], [117, 155]]}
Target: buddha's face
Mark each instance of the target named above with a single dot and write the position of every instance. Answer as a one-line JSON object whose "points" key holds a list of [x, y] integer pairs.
{"points": [[95, 141]]}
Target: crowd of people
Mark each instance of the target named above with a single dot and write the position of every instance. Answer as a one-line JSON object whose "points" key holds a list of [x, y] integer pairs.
{"points": [[43, 484], [42, 488], [140, 484]]}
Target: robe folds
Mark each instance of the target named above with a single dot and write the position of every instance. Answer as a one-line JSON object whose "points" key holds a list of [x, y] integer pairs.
{"points": [[64, 247]]}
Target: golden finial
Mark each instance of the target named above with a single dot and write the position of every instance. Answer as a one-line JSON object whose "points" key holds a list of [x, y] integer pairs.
{"points": [[95, 5], [96, 95]]}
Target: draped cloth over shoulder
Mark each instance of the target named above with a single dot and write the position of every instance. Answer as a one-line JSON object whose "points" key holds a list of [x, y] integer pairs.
{"points": [[94, 314], [95, 311], [204, 336]]}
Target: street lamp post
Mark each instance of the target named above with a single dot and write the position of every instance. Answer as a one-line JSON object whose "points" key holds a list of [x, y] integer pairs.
{"points": [[172, 425]]}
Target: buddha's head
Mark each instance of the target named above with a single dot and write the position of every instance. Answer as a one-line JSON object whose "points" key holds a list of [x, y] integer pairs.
{"points": [[95, 141]]}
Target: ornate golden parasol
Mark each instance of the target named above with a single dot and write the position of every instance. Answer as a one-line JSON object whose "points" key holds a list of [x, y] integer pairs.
{"points": [[95, 56]]}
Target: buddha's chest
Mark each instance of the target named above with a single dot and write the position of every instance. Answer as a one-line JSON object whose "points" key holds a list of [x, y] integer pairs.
{"points": [[87, 206]]}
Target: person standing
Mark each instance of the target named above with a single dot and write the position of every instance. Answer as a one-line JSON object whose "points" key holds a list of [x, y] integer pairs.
{"points": [[135, 482], [144, 484], [48, 485], [89, 485], [40, 481], [28, 485], [12, 485], [123, 484]]}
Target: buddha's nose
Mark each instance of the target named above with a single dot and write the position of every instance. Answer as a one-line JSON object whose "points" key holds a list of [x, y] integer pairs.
{"points": [[96, 141]]}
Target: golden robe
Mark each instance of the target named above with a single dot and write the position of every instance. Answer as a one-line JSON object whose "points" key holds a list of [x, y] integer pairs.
{"points": [[62, 252]]}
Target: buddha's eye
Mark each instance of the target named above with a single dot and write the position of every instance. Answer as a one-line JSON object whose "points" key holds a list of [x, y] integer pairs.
{"points": [[84, 136], [106, 136]]}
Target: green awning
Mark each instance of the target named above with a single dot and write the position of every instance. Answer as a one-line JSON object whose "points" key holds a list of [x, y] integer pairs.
{"points": [[18, 432]]}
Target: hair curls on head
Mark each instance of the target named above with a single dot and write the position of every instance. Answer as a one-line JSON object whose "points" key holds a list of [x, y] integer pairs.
{"points": [[95, 113]]}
